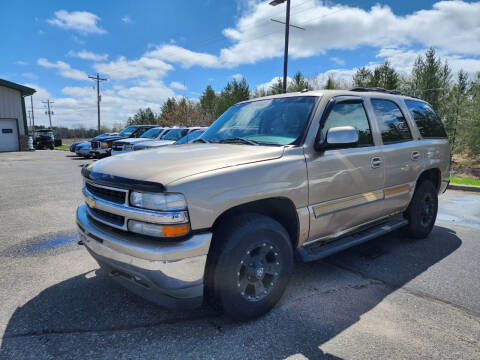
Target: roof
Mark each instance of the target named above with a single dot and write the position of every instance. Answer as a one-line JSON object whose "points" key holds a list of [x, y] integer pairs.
{"points": [[23, 89], [370, 92]]}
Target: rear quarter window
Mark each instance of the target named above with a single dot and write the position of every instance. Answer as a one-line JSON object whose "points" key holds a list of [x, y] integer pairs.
{"points": [[427, 120], [391, 122]]}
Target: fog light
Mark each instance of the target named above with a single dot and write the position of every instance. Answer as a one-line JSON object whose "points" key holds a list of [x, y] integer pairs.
{"points": [[155, 230]]}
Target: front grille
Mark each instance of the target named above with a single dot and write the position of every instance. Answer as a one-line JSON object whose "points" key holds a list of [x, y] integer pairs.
{"points": [[108, 217], [95, 144], [107, 194], [117, 147]]}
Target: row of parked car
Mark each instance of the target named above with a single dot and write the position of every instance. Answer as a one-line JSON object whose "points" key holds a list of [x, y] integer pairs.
{"points": [[134, 138]]}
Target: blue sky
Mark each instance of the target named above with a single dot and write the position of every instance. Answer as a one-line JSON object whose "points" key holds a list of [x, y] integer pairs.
{"points": [[150, 50]]}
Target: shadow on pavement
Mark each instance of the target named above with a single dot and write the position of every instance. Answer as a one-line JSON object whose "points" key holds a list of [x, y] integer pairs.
{"points": [[315, 309]]}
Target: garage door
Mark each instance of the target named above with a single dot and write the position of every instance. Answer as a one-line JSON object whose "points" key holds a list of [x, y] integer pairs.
{"points": [[8, 135]]}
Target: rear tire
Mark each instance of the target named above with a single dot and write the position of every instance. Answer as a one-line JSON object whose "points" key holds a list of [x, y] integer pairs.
{"points": [[250, 265], [422, 211]]}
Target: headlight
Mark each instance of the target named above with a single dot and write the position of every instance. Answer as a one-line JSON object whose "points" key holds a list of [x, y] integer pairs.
{"points": [[104, 145], [161, 201]]}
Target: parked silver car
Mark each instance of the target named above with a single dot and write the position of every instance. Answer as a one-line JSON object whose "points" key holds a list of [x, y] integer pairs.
{"points": [[170, 138], [126, 145]]}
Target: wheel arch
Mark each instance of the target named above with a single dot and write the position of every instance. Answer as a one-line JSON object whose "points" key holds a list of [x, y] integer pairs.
{"points": [[280, 209], [432, 174]]}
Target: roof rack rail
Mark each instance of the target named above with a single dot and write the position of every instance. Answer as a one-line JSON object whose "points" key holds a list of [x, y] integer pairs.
{"points": [[379, 89]]}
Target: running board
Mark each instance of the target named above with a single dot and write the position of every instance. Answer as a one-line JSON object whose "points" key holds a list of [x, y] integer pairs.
{"points": [[320, 250]]}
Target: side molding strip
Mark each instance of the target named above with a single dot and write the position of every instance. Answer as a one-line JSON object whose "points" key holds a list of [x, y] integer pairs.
{"points": [[332, 206]]}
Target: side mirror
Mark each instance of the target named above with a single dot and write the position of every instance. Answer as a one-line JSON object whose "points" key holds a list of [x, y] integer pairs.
{"points": [[339, 137]]}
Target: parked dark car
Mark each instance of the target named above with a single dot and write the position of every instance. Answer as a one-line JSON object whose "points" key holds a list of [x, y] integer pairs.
{"points": [[103, 147], [44, 139], [73, 146]]}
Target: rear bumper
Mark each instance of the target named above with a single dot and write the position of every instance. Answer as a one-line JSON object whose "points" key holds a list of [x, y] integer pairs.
{"points": [[169, 274]]}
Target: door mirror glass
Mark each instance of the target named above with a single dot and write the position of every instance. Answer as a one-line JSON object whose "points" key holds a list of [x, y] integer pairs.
{"points": [[341, 137]]}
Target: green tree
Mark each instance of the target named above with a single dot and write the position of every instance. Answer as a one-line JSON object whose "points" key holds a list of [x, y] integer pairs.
{"points": [[471, 122], [459, 103], [385, 76], [143, 117], [430, 80], [234, 92], [362, 77], [331, 83], [276, 87], [208, 100], [298, 83]]}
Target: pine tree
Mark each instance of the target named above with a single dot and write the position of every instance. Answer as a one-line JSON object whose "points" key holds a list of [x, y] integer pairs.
{"points": [[362, 77], [298, 83]]}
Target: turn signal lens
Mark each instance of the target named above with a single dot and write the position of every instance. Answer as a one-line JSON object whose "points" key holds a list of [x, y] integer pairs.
{"points": [[176, 230], [155, 230]]}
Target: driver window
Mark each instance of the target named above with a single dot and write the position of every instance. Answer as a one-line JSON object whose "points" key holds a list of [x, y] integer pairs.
{"points": [[350, 114]]}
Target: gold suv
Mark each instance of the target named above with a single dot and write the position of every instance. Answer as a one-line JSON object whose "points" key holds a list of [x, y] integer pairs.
{"points": [[302, 174]]}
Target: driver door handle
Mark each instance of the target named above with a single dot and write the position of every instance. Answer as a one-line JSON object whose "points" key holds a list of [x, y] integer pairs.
{"points": [[376, 162], [415, 155]]}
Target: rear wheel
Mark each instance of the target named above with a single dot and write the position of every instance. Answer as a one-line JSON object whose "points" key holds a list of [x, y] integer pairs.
{"points": [[251, 264], [422, 211]]}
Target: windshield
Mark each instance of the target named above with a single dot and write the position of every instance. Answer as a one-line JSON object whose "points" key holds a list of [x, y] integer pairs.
{"points": [[152, 133], [175, 134], [128, 131], [264, 122], [190, 137]]}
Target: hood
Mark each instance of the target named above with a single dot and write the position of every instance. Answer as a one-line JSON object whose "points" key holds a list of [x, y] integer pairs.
{"points": [[157, 143], [110, 138], [170, 163], [133, 140]]}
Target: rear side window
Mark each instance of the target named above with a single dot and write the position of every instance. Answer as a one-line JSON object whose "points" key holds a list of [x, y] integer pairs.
{"points": [[350, 114], [427, 120], [391, 122]]}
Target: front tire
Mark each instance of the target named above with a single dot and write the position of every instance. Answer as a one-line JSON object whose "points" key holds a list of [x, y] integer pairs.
{"points": [[252, 261], [422, 211]]}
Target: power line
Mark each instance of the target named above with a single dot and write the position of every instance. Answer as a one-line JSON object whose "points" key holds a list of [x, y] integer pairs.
{"points": [[98, 79]]}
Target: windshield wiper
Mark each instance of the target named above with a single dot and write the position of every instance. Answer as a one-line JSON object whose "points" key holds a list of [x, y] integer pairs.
{"points": [[200, 139], [238, 140]]}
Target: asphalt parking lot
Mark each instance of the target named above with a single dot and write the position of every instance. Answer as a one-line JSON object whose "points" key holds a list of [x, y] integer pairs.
{"points": [[388, 299]]}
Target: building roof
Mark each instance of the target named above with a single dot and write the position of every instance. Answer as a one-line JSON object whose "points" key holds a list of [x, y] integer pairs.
{"points": [[26, 91]]}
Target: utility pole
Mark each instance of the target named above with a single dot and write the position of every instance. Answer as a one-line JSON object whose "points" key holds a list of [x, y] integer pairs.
{"points": [[49, 112], [287, 34], [33, 116], [98, 79]]}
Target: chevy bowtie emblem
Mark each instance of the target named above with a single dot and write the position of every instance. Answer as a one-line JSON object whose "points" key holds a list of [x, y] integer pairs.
{"points": [[90, 202]]}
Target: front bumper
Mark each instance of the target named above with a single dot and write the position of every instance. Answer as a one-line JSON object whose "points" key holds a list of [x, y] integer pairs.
{"points": [[100, 152], [117, 152], [169, 274]]}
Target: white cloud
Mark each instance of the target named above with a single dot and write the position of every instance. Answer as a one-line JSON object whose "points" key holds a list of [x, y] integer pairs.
{"points": [[20, 62], [145, 67], [237, 76], [450, 26], [87, 55], [127, 20], [177, 85], [337, 60], [187, 58], [83, 22], [64, 69], [77, 92]]}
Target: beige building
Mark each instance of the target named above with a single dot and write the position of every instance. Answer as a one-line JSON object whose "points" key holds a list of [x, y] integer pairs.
{"points": [[13, 119]]}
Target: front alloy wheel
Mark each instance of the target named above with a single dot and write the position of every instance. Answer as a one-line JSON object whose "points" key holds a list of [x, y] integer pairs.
{"points": [[249, 265], [258, 271]]}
